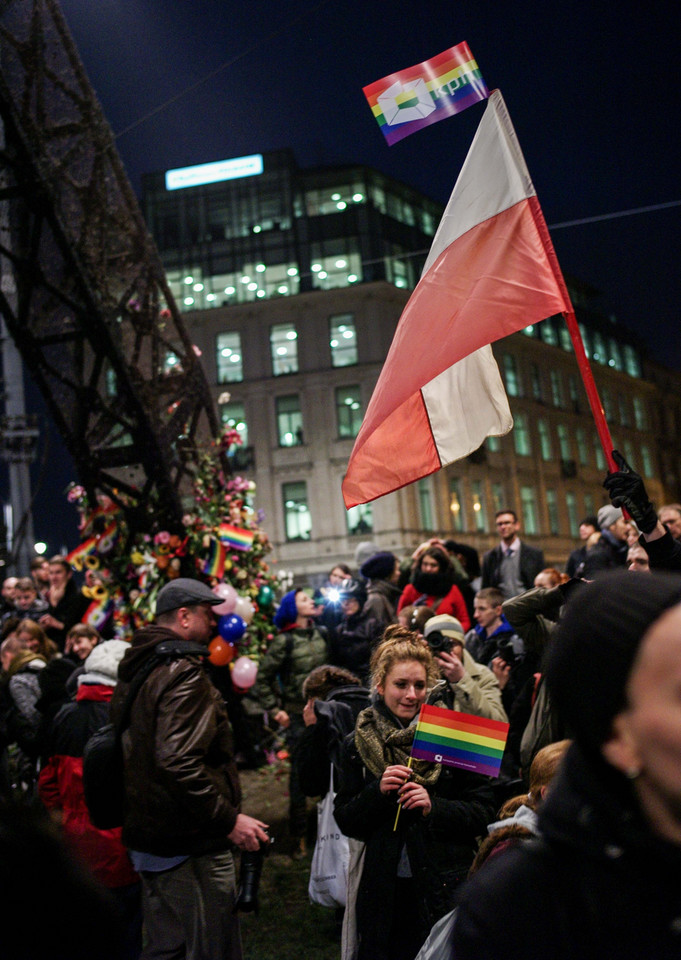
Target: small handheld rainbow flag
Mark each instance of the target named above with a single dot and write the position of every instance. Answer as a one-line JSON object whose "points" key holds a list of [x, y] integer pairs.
{"points": [[460, 740], [215, 563], [237, 538], [410, 99]]}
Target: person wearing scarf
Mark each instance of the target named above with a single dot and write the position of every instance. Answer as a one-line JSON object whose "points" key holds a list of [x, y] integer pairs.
{"points": [[411, 868]]}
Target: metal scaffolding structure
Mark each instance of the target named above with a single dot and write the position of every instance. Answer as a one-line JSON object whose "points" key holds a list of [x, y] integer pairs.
{"points": [[93, 317]]}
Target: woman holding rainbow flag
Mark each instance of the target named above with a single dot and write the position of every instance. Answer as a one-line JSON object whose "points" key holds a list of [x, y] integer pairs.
{"points": [[413, 862]]}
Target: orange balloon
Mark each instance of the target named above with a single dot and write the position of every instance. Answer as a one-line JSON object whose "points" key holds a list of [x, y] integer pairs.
{"points": [[220, 652]]}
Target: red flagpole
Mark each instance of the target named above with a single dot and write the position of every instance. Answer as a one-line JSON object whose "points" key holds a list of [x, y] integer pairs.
{"points": [[591, 389]]}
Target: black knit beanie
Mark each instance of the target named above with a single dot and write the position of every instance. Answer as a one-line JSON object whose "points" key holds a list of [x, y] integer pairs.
{"points": [[595, 644], [378, 567]]}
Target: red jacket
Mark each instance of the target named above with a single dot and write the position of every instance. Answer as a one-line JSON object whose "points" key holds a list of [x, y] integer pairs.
{"points": [[60, 786], [453, 604]]}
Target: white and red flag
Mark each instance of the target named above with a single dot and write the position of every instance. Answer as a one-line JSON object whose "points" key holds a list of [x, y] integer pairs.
{"points": [[491, 271]]}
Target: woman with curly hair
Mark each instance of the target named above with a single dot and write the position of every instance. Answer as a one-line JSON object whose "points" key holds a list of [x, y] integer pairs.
{"points": [[413, 862]]}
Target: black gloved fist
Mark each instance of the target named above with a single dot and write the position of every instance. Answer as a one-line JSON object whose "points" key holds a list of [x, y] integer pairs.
{"points": [[626, 489]]}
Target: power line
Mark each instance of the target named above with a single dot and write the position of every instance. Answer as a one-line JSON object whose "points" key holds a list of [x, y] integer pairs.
{"points": [[223, 66], [615, 216]]}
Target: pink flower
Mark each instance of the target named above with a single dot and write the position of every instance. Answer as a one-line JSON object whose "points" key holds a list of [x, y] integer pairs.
{"points": [[162, 537]]}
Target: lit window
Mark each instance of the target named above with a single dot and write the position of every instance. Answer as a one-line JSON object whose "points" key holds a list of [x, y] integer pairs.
{"points": [[564, 442], [589, 508], [582, 446], [544, 440], [528, 502], [548, 333], [493, 444], [348, 411], [289, 421], [343, 340], [498, 497], [631, 362], [511, 376], [552, 510], [556, 388], [640, 414], [573, 519], [647, 462], [600, 456], [232, 415], [425, 504], [229, 358], [478, 503], [565, 338], [606, 397], [360, 519], [535, 381], [623, 408], [456, 505], [615, 359], [521, 436], [573, 391], [297, 520], [284, 349]]}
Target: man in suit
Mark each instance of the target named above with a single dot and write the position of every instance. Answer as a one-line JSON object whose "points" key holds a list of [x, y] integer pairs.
{"points": [[511, 565]]}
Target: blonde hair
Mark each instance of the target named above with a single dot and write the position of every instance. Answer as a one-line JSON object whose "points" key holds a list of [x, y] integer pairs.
{"points": [[544, 768], [397, 645]]}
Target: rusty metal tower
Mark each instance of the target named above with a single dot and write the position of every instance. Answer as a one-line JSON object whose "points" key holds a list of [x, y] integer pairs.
{"points": [[93, 316]]}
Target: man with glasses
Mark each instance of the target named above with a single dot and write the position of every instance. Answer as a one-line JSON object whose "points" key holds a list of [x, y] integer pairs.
{"points": [[512, 565]]}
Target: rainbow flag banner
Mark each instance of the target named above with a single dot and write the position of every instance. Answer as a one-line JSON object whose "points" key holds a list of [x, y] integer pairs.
{"points": [[79, 553], [237, 538], [406, 101], [459, 740], [215, 564]]}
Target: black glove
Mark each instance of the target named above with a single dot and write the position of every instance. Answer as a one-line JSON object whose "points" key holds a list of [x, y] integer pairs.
{"points": [[626, 489]]}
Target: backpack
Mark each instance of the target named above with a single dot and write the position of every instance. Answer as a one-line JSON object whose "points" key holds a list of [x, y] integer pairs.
{"points": [[103, 764]]}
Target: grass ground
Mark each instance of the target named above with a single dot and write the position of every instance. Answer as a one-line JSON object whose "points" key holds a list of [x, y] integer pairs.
{"points": [[288, 926]]}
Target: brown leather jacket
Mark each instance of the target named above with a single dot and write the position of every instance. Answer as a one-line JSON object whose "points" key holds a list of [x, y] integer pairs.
{"points": [[181, 782]]}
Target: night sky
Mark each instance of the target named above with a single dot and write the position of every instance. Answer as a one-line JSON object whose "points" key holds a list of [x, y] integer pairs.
{"points": [[592, 89]]}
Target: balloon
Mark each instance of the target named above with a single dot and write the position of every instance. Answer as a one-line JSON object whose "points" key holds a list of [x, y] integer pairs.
{"points": [[244, 672], [228, 595], [265, 596], [231, 627], [221, 652], [244, 609]]}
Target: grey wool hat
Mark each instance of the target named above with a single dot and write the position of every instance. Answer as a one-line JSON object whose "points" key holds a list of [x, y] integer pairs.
{"points": [[184, 592]]}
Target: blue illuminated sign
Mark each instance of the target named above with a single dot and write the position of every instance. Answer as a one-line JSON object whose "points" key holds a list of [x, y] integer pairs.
{"points": [[214, 172]]}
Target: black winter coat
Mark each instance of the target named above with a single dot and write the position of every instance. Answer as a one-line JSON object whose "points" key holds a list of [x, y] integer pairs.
{"points": [[599, 885], [440, 846]]}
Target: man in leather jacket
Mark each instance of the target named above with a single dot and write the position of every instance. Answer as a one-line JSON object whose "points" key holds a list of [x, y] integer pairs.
{"points": [[183, 816]]}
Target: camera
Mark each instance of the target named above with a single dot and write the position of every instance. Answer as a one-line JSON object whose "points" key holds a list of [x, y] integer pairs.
{"points": [[251, 868], [506, 652], [439, 643]]}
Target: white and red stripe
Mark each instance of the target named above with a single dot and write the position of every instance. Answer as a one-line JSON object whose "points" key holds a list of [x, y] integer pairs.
{"points": [[491, 271]]}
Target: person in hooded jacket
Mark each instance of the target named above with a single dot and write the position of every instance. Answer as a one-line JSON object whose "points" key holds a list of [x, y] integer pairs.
{"points": [[357, 633], [60, 785], [603, 881], [382, 571]]}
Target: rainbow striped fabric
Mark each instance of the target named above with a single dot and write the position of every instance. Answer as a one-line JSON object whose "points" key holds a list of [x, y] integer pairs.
{"points": [[215, 563], [459, 740], [406, 101], [237, 538], [78, 554]]}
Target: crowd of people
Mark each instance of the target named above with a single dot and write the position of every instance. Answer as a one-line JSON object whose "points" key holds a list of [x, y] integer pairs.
{"points": [[562, 855]]}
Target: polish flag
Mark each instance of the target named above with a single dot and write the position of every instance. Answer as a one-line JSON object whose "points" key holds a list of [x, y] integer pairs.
{"points": [[491, 271]]}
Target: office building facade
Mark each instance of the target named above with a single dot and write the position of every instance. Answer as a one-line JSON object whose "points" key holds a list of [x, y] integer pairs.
{"points": [[292, 282]]}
